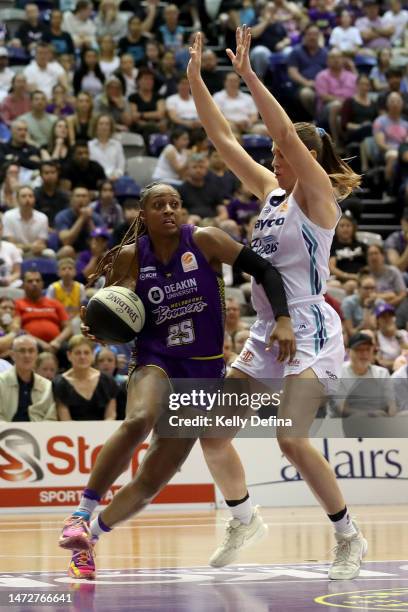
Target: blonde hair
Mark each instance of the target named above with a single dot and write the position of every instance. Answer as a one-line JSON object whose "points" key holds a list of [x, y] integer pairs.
{"points": [[343, 178], [77, 340]]}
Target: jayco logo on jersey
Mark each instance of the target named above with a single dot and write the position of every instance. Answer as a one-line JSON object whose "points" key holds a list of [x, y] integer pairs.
{"points": [[262, 223], [155, 295]]}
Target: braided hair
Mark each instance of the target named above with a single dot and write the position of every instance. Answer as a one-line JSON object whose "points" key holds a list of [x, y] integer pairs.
{"points": [[136, 229]]}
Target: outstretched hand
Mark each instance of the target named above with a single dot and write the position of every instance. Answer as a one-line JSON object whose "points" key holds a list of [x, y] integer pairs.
{"points": [[194, 65], [240, 59]]}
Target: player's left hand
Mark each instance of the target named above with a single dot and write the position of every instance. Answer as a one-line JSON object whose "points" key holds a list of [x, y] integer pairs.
{"points": [[283, 334]]}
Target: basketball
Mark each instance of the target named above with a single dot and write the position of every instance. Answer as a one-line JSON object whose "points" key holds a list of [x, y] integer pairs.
{"points": [[115, 315]]}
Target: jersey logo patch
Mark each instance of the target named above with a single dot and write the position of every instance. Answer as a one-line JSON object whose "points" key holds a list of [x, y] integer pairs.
{"points": [[189, 261], [155, 295], [246, 356]]}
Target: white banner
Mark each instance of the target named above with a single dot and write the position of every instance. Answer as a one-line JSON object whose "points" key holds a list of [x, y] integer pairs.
{"points": [[369, 471], [46, 465]]}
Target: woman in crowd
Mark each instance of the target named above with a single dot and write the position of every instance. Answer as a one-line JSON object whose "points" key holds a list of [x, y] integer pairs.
{"points": [[18, 100], [89, 76], [378, 72], [60, 143], [112, 102], [79, 124], [359, 112], [172, 162], [106, 361], [108, 57], [59, 105], [128, 73], [109, 21], [347, 254], [9, 184], [47, 365], [80, 25], [105, 149], [83, 393], [146, 106]]}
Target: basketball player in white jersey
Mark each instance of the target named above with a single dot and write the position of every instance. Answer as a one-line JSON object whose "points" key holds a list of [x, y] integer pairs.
{"points": [[296, 237]]}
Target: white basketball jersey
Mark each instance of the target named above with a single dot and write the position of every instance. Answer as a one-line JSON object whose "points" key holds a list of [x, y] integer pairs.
{"points": [[298, 248]]}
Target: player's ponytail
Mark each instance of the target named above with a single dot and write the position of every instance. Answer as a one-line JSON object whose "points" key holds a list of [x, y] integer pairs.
{"points": [[343, 178]]}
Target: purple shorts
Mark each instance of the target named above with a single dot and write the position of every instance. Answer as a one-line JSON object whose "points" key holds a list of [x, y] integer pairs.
{"points": [[184, 368]]}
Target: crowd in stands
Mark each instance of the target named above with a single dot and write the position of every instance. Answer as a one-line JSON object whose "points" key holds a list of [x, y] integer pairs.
{"points": [[85, 88]]}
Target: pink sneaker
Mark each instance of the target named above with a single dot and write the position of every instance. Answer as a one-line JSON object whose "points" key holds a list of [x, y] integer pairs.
{"points": [[83, 564], [75, 534]]}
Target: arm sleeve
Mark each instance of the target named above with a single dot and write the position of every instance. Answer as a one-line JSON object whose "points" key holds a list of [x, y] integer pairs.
{"points": [[268, 277]]}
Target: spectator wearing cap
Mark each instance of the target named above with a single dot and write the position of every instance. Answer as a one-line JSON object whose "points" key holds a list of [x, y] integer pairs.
{"points": [[107, 207], [43, 74], [358, 309], [305, 61], [44, 318], [88, 260], [81, 171], [105, 149], [75, 224], [347, 254], [375, 31], [6, 74], [390, 340], [389, 282], [363, 388], [25, 395], [25, 227], [396, 247]]}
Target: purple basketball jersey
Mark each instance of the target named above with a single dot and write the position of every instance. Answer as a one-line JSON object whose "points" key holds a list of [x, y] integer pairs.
{"points": [[184, 302]]}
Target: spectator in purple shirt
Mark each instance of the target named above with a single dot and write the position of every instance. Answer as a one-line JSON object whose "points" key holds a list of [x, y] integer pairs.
{"points": [[304, 63], [323, 18]]}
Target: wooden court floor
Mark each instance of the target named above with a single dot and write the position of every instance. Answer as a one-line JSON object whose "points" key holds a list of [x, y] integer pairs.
{"points": [[173, 539]]}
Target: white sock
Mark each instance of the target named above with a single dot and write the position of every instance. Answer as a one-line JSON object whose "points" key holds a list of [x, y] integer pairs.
{"points": [[345, 525], [98, 527], [242, 511]]}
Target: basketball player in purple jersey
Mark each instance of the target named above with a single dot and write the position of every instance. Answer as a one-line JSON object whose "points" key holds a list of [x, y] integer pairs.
{"points": [[168, 263], [296, 237]]}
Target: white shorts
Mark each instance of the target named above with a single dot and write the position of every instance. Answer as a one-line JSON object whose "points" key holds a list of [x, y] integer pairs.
{"points": [[319, 346]]}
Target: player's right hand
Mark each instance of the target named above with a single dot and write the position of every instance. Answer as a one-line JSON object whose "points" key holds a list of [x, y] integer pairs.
{"points": [[194, 65], [84, 327]]}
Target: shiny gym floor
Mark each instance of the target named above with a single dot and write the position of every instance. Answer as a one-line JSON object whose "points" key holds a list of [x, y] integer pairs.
{"points": [[158, 562]]}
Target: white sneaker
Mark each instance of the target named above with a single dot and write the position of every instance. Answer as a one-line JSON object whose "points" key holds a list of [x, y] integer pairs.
{"points": [[349, 553], [238, 536]]}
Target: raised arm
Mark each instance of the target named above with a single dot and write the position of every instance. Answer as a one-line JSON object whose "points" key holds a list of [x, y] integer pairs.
{"points": [[313, 187], [258, 179]]}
